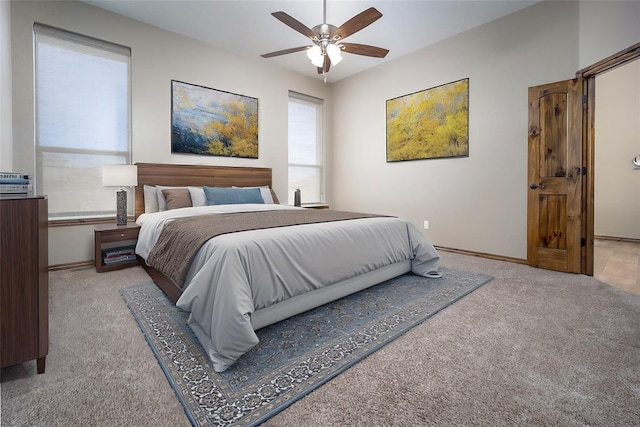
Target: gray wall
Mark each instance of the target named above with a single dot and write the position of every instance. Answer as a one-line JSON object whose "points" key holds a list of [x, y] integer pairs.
{"points": [[617, 185], [6, 139], [158, 56], [477, 203], [607, 27]]}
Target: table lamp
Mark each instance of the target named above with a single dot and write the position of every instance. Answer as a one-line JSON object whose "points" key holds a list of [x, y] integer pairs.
{"points": [[120, 176]]}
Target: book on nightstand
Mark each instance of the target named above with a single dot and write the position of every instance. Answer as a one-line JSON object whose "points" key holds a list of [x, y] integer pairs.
{"points": [[15, 183], [118, 255]]}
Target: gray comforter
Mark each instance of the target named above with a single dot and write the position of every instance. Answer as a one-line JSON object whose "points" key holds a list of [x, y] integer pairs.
{"points": [[182, 238], [234, 275]]}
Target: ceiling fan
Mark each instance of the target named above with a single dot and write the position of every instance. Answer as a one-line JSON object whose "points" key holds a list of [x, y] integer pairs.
{"points": [[327, 39]]}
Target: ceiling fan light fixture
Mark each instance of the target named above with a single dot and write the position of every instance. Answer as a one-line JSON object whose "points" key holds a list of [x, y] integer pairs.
{"points": [[327, 40], [334, 54], [314, 53]]}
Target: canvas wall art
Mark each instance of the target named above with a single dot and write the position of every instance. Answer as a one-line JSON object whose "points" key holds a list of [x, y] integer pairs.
{"points": [[213, 122], [433, 123]]}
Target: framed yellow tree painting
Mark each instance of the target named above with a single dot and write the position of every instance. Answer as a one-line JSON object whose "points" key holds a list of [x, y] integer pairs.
{"points": [[433, 123], [213, 122]]}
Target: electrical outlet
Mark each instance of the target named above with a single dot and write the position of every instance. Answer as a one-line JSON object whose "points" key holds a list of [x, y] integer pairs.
{"points": [[426, 224]]}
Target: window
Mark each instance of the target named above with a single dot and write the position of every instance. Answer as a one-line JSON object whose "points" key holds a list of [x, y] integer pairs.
{"points": [[305, 148], [82, 120]]}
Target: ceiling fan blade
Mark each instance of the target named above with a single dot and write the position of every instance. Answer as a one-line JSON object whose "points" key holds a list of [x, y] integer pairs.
{"points": [[294, 23], [326, 65], [356, 23], [285, 51], [364, 49]]}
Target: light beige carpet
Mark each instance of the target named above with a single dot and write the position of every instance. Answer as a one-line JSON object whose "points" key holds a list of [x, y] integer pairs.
{"points": [[530, 347]]}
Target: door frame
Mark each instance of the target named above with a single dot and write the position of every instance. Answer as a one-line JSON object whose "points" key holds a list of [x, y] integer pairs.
{"points": [[588, 76]]}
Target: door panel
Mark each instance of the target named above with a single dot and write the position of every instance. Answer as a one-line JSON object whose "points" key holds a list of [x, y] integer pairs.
{"points": [[552, 229], [553, 136], [555, 176]]}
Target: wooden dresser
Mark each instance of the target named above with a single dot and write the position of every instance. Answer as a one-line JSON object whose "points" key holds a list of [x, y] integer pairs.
{"points": [[24, 280]]}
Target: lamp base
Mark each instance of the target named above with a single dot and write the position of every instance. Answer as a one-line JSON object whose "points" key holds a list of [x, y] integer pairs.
{"points": [[121, 212]]}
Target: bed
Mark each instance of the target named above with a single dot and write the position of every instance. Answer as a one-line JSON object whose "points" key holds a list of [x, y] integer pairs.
{"points": [[237, 283]]}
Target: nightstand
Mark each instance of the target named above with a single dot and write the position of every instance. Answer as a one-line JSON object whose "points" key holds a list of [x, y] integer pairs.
{"points": [[115, 246]]}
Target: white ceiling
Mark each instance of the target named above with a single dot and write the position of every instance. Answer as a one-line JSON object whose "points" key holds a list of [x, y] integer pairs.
{"points": [[247, 27]]}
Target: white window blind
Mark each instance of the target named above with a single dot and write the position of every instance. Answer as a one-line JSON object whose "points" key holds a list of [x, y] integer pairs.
{"points": [[82, 88], [305, 148]]}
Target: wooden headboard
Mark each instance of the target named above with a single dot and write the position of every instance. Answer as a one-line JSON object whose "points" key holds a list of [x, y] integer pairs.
{"points": [[197, 176]]}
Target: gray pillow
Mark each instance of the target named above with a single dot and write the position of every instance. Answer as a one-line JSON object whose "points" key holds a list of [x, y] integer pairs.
{"points": [[177, 198], [150, 199]]}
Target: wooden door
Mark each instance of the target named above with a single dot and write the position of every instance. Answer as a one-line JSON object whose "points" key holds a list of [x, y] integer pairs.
{"points": [[554, 212]]}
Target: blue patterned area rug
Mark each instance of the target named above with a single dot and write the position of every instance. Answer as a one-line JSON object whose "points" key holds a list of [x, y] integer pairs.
{"points": [[294, 356]]}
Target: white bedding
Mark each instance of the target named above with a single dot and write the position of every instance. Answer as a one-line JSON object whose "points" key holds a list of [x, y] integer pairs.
{"points": [[235, 274]]}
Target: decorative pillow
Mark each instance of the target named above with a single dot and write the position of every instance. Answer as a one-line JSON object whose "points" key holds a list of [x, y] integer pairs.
{"points": [[177, 198], [231, 196], [150, 199], [162, 202], [265, 192], [197, 196]]}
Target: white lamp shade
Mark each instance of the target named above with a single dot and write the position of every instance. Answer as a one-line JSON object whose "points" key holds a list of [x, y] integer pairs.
{"points": [[315, 55], [334, 54], [119, 175]]}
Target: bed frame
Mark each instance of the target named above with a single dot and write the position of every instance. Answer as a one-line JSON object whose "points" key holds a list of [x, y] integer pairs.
{"points": [[197, 176], [228, 176]]}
